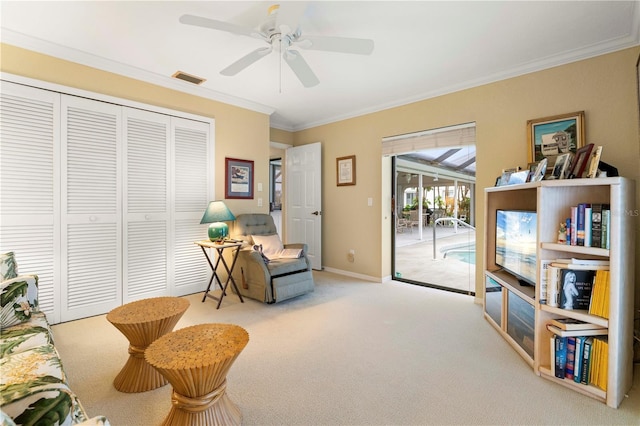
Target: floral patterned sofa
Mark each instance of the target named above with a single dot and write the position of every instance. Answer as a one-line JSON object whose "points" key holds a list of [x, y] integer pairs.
{"points": [[33, 385]]}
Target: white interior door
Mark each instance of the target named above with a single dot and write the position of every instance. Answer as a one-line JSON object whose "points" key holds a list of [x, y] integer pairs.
{"points": [[303, 199]]}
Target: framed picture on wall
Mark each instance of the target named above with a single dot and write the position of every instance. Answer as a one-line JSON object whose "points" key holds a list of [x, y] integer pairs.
{"points": [[550, 137], [346, 170], [238, 182]]}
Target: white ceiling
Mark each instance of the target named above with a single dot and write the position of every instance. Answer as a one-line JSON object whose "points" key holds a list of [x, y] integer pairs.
{"points": [[422, 48]]}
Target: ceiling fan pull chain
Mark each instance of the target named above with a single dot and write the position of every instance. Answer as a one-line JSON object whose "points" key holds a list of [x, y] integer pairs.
{"points": [[280, 69]]}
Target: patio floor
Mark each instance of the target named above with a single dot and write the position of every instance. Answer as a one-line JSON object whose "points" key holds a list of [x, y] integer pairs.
{"points": [[415, 257]]}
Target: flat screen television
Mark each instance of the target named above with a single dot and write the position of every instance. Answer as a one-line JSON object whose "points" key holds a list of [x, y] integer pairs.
{"points": [[516, 244]]}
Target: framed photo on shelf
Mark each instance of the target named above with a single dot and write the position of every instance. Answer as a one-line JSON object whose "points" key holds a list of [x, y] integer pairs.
{"points": [[346, 170], [238, 178], [553, 136], [580, 161], [560, 166], [594, 162], [541, 169]]}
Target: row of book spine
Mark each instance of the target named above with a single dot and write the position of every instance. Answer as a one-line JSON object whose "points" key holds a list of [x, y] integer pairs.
{"points": [[571, 285], [583, 359], [588, 225]]}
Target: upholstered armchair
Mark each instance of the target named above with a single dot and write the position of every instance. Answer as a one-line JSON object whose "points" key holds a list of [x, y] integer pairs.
{"points": [[260, 277]]}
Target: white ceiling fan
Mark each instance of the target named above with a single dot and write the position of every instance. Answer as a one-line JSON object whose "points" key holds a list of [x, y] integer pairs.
{"points": [[277, 33]]}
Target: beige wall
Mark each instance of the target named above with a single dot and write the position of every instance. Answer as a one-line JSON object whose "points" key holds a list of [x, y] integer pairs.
{"points": [[239, 133], [604, 87]]}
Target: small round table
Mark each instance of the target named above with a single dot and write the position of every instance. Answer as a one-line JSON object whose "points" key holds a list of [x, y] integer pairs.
{"points": [[142, 322], [196, 360]]}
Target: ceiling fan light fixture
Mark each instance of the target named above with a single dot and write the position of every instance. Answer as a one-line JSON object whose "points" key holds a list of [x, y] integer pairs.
{"points": [[181, 75]]}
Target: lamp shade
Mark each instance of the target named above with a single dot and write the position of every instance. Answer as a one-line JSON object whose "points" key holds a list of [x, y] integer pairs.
{"points": [[216, 214]]}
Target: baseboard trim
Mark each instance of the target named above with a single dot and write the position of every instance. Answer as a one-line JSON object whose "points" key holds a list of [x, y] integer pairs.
{"points": [[352, 274]]}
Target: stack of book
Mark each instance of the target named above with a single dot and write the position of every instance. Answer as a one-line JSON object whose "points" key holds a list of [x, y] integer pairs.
{"points": [[569, 284], [579, 352], [588, 225]]}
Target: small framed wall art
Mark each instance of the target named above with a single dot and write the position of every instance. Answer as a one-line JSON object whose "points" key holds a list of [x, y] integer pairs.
{"points": [[238, 178], [346, 170], [553, 136]]}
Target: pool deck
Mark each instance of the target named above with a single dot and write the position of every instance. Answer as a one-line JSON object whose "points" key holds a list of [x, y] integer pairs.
{"points": [[415, 257]]}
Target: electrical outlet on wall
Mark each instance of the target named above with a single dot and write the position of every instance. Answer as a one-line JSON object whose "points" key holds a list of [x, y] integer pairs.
{"points": [[259, 202], [351, 256]]}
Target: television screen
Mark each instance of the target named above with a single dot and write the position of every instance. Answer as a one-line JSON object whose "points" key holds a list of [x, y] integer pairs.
{"points": [[516, 244]]}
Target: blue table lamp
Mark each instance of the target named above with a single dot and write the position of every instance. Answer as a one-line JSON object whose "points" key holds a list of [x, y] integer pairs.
{"points": [[216, 214]]}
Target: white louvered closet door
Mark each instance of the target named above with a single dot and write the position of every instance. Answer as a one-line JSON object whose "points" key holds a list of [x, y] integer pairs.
{"points": [[147, 243], [192, 190], [91, 255], [30, 187]]}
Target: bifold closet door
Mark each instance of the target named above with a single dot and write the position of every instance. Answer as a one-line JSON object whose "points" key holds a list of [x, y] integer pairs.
{"points": [[192, 190], [91, 254], [147, 253], [30, 186]]}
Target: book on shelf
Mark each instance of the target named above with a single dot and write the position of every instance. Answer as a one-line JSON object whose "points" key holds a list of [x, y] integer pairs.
{"points": [[571, 358], [587, 226], [600, 363], [544, 279], [577, 366], [573, 333], [552, 349], [553, 285], [580, 225], [578, 266], [575, 288], [578, 261], [596, 224], [560, 356], [606, 225], [574, 225], [600, 294], [571, 324], [586, 360]]}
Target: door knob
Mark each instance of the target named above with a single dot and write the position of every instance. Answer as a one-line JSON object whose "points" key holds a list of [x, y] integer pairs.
{"points": [[317, 213]]}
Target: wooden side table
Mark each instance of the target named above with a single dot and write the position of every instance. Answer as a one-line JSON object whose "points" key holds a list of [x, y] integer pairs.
{"points": [[196, 360], [142, 322], [215, 277]]}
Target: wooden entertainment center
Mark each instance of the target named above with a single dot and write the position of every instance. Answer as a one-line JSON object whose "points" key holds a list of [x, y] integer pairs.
{"points": [[515, 310]]}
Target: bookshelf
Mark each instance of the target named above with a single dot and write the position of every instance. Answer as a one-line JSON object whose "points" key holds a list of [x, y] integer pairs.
{"points": [[515, 310]]}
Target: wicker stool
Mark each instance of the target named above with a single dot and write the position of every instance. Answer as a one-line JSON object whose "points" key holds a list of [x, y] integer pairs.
{"points": [[196, 360], [142, 322]]}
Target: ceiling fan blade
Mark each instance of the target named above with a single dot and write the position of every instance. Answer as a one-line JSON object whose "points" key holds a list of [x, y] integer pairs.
{"points": [[200, 21], [300, 68], [360, 46], [245, 61]]}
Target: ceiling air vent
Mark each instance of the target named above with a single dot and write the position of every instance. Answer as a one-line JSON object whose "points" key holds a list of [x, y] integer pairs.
{"points": [[188, 77]]}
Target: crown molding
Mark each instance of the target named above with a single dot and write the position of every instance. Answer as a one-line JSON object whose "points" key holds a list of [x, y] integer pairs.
{"points": [[17, 39]]}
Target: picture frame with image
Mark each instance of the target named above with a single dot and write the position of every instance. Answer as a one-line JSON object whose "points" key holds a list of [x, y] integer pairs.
{"points": [[540, 170], [561, 165]]}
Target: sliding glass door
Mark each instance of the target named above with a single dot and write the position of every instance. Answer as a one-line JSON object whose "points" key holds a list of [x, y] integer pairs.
{"points": [[434, 224]]}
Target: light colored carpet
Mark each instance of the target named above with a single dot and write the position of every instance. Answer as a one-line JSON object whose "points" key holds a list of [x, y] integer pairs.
{"points": [[351, 353]]}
